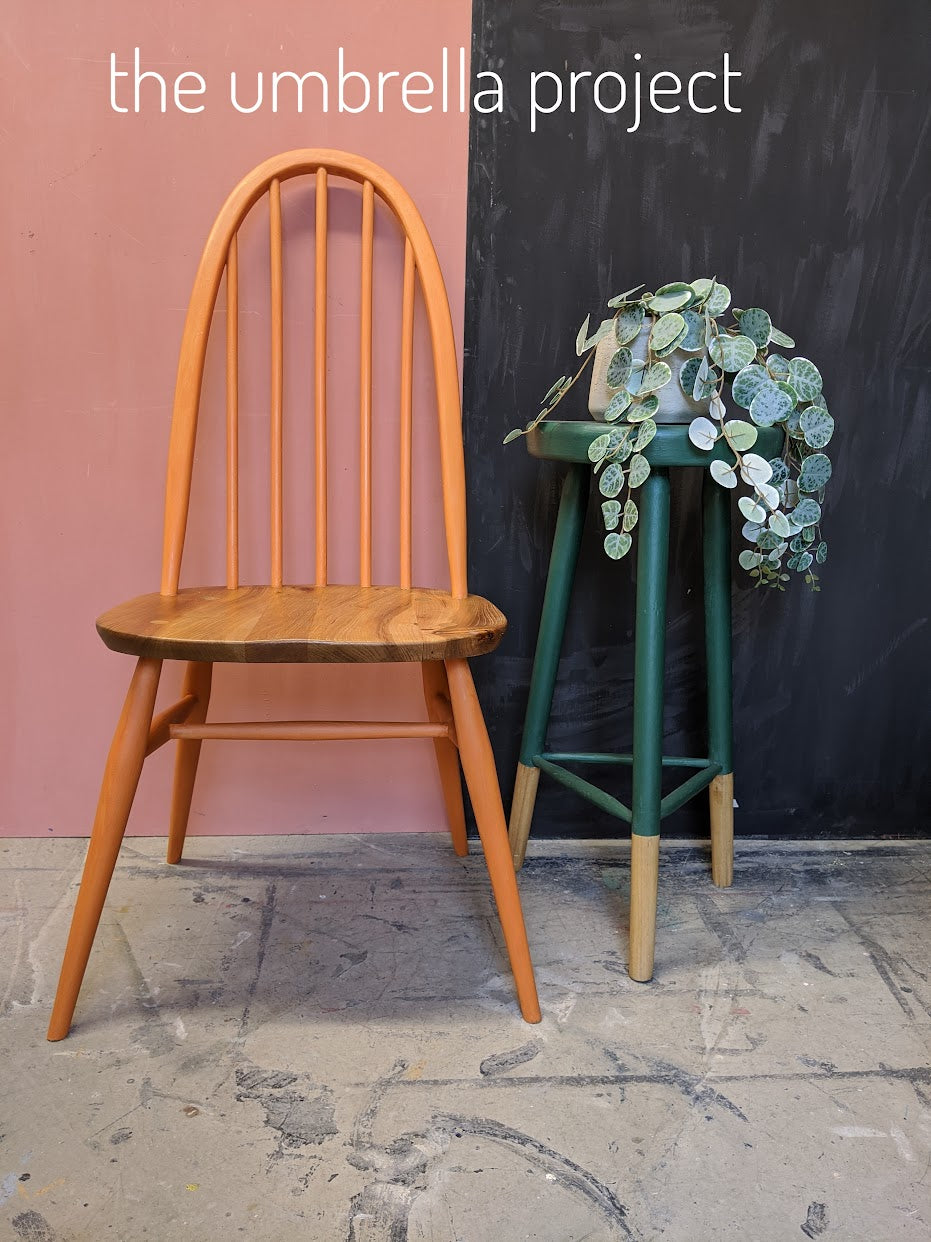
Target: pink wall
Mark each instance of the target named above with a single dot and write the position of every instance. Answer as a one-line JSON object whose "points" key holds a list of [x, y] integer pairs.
{"points": [[104, 218]]}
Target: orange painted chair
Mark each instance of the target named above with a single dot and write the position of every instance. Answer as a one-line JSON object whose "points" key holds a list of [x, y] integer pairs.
{"points": [[319, 623]]}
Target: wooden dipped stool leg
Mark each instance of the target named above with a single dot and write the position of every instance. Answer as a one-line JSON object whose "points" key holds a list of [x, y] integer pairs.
{"points": [[522, 804], [120, 778], [197, 680], [478, 765], [649, 655], [570, 522], [644, 885], [439, 710], [721, 802]]}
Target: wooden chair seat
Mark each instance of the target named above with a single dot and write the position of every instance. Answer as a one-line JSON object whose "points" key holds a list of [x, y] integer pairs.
{"points": [[303, 624]]}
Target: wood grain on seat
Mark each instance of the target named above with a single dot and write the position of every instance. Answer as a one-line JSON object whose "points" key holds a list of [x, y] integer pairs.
{"points": [[296, 624]]}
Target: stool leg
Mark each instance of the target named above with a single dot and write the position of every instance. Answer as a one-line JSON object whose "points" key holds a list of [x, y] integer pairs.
{"points": [[716, 538], [569, 523], [649, 654]]}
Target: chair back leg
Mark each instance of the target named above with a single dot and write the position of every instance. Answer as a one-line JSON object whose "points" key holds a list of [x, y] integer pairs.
{"points": [[478, 765], [439, 710], [120, 778], [197, 681]]}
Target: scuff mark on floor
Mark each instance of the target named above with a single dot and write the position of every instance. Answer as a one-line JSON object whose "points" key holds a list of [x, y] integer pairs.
{"points": [[301, 1116]]}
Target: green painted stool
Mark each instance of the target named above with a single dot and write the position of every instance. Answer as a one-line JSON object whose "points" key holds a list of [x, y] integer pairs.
{"points": [[569, 442]]}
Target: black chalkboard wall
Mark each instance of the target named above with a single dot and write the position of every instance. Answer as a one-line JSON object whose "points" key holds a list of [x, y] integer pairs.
{"points": [[810, 202]]}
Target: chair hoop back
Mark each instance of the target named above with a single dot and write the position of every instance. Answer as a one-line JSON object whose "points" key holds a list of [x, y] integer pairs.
{"points": [[220, 256]]}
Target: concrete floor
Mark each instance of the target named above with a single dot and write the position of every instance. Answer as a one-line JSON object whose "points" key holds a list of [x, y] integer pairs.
{"points": [[316, 1038]]}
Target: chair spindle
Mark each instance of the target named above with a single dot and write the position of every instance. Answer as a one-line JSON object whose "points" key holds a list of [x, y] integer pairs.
{"points": [[277, 380], [407, 407], [365, 388], [232, 414], [320, 342]]}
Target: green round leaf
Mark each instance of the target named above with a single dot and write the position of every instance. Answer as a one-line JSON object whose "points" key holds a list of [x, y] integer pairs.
{"points": [[821, 552], [817, 426], [779, 523], [639, 470], [655, 376], [724, 474], [741, 436], [778, 367], [636, 375], [611, 512], [701, 288], [617, 545], [637, 413], [645, 433], [619, 367], [789, 391], [688, 374], [748, 559], [732, 353], [630, 516], [666, 329], [755, 470], [803, 562], [672, 346], [617, 405], [670, 298], [620, 298], [611, 481], [628, 324], [756, 324], [770, 405], [799, 543], [805, 378], [706, 381], [750, 509], [703, 433], [598, 447], [781, 339], [780, 471], [695, 331], [555, 389], [807, 512], [719, 300], [816, 470], [747, 383], [767, 493]]}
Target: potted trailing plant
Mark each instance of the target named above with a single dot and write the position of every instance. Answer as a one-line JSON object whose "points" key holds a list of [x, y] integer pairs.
{"points": [[670, 356]]}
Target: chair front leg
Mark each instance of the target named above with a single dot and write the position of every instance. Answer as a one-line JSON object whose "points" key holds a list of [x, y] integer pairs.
{"points": [[120, 778], [478, 764]]}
